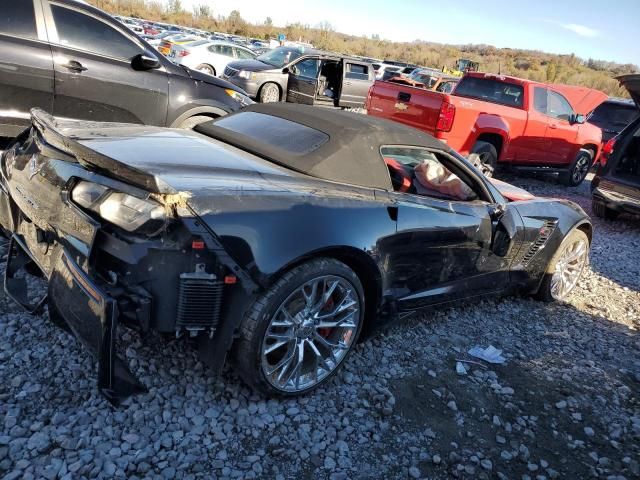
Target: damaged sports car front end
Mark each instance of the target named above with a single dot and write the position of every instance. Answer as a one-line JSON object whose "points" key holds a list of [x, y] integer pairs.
{"points": [[112, 251]]}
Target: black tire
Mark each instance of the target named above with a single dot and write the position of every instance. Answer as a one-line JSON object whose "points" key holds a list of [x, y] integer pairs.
{"points": [[191, 122], [269, 93], [206, 68], [247, 351], [545, 292], [600, 210], [484, 157], [578, 170]]}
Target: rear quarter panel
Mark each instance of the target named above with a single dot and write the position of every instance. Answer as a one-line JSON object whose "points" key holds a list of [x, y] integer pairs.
{"points": [[420, 111]]}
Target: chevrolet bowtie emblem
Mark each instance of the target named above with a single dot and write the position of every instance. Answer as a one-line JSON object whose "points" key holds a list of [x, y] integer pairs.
{"points": [[401, 106]]}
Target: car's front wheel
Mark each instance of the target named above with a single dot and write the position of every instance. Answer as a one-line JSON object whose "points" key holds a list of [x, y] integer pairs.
{"points": [[269, 93], [566, 267], [297, 334]]}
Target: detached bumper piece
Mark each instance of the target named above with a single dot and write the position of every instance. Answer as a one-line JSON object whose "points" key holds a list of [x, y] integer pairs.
{"points": [[199, 302], [93, 318], [15, 283]]}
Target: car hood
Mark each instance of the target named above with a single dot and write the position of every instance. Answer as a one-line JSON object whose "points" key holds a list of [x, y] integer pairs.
{"points": [[218, 82], [583, 100], [252, 66], [632, 84], [511, 192]]}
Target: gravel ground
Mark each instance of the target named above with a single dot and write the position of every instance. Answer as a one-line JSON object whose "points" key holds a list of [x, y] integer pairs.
{"points": [[566, 403]]}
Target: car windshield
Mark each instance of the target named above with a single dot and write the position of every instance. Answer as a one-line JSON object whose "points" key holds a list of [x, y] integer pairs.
{"points": [[279, 57], [424, 77], [491, 90]]}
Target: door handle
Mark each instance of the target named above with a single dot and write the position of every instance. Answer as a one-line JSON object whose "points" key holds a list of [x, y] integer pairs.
{"points": [[347, 83], [553, 125], [74, 65]]}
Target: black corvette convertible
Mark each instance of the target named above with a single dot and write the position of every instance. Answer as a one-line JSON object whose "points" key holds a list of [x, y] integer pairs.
{"points": [[276, 236]]}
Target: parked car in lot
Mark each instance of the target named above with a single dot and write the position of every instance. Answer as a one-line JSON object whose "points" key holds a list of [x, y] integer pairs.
{"points": [[86, 65], [429, 79], [156, 230], [166, 43], [302, 75], [495, 119], [613, 115], [208, 56], [616, 185]]}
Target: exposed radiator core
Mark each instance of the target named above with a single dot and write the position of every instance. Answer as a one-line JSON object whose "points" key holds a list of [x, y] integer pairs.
{"points": [[199, 302]]}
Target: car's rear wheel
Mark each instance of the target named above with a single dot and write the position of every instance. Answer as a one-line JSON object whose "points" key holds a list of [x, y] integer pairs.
{"points": [[484, 157], [578, 170], [297, 334], [269, 93], [206, 68], [565, 268]]}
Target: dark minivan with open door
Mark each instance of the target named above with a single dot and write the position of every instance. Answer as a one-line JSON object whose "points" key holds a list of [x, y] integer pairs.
{"points": [[616, 185], [302, 75]]}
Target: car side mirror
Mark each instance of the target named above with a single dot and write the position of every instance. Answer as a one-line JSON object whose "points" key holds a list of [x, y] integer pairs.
{"points": [[285, 70], [145, 61], [578, 118]]}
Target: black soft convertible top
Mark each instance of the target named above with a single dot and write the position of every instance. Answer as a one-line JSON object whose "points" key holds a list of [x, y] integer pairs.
{"points": [[341, 146]]}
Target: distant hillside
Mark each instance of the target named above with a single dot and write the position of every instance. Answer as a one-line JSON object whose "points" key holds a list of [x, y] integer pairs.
{"points": [[531, 64]]}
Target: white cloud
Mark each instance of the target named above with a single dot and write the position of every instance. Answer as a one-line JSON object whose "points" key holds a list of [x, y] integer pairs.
{"points": [[581, 30]]}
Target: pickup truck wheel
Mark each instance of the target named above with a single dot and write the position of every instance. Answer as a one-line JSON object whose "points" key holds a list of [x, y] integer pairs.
{"points": [[600, 210], [269, 93], [578, 170], [484, 157], [297, 334]]}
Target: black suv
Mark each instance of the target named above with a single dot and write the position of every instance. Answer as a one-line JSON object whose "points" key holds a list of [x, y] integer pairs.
{"points": [[75, 61], [616, 185], [613, 115]]}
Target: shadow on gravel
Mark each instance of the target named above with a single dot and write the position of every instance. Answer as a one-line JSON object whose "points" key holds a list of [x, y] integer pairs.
{"points": [[559, 407]]}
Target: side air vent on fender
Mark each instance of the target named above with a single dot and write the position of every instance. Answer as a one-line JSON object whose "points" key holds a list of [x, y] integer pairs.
{"points": [[543, 235]]}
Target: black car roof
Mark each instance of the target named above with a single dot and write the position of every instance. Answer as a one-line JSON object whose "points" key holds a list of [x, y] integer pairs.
{"points": [[349, 151]]}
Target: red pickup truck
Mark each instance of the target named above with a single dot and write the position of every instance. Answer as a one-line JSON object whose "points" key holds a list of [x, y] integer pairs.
{"points": [[498, 119]]}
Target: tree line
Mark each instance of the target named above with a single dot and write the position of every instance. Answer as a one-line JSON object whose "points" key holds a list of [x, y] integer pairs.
{"points": [[529, 64]]}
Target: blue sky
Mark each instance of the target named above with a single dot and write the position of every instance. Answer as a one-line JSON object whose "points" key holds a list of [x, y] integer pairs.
{"points": [[589, 28]]}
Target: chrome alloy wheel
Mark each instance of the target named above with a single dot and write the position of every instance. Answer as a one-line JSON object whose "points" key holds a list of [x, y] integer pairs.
{"points": [[569, 268], [310, 334]]}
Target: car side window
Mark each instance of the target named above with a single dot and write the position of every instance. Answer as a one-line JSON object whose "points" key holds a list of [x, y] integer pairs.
{"points": [[81, 31], [558, 106], [225, 50], [18, 19], [309, 68], [243, 54], [423, 172], [356, 71], [540, 100]]}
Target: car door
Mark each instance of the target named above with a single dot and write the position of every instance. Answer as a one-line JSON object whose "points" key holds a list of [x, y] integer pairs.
{"points": [[26, 65], [221, 55], [95, 78], [448, 248], [531, 146], [303, 81], [357, 78], [561, 134]]}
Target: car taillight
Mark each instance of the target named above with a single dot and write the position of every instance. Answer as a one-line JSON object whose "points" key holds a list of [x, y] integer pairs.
{"points": [[446, 116], [607, 150]]}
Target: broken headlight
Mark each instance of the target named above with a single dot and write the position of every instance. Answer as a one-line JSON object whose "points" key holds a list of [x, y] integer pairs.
{"points": [[126, 211]]}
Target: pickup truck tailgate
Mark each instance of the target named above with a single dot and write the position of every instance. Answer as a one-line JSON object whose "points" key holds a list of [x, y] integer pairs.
{"points": [[412, 106]]}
